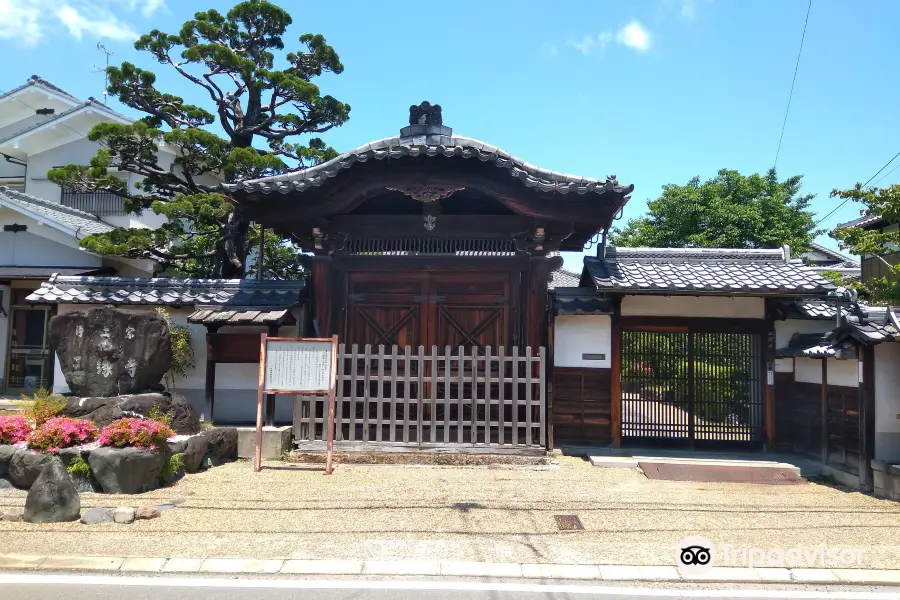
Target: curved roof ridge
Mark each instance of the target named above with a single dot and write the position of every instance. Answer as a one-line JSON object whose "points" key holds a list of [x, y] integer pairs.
{"points": [[695, 254], [431, 145]]}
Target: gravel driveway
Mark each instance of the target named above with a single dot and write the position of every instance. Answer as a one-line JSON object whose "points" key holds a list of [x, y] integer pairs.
{"points": [[465, 513]]}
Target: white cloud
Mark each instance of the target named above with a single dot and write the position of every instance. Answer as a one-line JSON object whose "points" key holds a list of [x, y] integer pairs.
{"points": [[29, 22], [635, 36], [97, 24]]}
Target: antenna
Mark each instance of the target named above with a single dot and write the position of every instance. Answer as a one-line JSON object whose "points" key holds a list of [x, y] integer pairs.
{"points": [[105, 70]]}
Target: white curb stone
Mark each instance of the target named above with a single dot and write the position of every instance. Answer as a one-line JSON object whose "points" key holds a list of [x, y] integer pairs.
{"points": [[401, 567], [543, 571], [638, 573], [239, 565], [813, 576], [322, 567], [182, 565], [481, 569], [147, 565]]}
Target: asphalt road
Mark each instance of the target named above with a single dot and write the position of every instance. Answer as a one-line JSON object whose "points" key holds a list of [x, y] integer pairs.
{"points": [[88, 587]]}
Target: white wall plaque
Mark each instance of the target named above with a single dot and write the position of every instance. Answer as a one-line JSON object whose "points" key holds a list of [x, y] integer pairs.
{"points": [[298, 366]]}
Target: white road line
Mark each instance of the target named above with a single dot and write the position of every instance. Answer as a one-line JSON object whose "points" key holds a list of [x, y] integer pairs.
{"points": [[21, 578]]}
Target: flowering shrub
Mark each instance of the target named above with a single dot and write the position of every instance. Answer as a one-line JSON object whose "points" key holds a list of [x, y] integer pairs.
{"points": [[139, 433], [14, 430], [62, 432]]}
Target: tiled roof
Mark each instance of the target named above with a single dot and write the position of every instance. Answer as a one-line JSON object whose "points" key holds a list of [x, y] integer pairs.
{"points": [[863, 221], [810, 309], [7, 273], [431, 141], [840, 259], [563, 279], [238, 293], [869, 324], [222, 315], [91, 103], [815, 345], [581, 301], [710, 270], [848, 272], [77, 222], [38, 80]]}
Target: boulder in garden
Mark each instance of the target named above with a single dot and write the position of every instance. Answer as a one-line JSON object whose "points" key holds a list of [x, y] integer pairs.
{"points": [[109, 352], [103, 411], [194, 452], [126, 470], [52, 498], [222, 445], [6, 454], [97, 515], [26, 466]]}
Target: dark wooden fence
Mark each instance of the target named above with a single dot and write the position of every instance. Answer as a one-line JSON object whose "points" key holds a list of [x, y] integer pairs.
{"points": [[456, 399]]}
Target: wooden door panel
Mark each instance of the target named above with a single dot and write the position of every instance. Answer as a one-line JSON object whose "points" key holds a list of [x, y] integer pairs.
{"points": [[471, 325], [385, 309]]}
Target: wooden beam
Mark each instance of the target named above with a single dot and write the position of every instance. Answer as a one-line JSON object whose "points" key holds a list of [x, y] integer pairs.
{"points": [[548, 368], [866, 393], [824, 410], [615, 384], [698, 324], [769, 368], [270, 398], [209, 387], [321, 294]]}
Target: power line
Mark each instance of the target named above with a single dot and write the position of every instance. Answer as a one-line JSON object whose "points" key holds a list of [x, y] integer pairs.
{"points": [[838, 207], [886, 174], [794, 81]]}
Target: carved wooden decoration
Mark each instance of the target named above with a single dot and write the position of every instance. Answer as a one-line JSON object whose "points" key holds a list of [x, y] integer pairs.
{"points": [[427, 193]]}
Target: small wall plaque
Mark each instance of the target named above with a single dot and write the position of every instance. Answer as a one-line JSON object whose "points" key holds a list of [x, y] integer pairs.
{"points": [[587, 356]]}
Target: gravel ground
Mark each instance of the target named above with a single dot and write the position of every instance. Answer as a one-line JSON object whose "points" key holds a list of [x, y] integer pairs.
{"points": [[465, 513]]}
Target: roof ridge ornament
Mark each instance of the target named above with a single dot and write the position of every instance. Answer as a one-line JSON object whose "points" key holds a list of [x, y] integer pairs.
{"points": [[427, 193], [425, 113]]}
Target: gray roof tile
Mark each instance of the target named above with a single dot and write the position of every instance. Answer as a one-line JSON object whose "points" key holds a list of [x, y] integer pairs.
{"points": [[209, 293], [563, 279], [78, 222], [710, 270]]}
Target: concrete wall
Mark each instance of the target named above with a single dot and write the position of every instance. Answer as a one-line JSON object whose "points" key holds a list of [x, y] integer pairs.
{"points": [[887, 402], [582, 334], [236, 384], [694, 306]]}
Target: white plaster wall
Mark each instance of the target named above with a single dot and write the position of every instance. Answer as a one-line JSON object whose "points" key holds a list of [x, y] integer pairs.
{"points": [[843, 372], [808, 370], [582, 334], [78, 152], [694, 306], [4, 334], [887, 401], [30, 249]]}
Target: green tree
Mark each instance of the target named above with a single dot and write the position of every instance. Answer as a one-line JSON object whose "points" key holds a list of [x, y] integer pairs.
{"points": [[255, 109], [728, 211], [884, 203]]}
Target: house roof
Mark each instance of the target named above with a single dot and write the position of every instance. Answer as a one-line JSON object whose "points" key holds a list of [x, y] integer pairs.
{"points": [[580, 301], [224, 315], [869, 325], [849, 272], [37, 80], [562, 278], [816, 345], [89, 104], [841, 260], [14, 272], [810, 310], [864, 221], [430, 141], [706, 270], [69, 220], [209, 293]]}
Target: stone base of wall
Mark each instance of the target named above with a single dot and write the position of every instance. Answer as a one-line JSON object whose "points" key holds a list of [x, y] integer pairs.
{"points": [[887, 479]]}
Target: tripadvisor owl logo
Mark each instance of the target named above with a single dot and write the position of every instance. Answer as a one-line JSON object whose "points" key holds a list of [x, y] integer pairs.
{"points": [[696, 554]]}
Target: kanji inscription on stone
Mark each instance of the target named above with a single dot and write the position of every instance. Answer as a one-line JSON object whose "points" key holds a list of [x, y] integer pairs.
{"points": [[298, 366]]}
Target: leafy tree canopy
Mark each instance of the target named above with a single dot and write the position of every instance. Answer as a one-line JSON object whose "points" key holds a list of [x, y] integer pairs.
{"points": [[883, 203], [258, 108], [728, 211]]}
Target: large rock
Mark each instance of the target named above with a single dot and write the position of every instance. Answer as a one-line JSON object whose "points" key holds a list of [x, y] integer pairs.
{"points": [[222, 444], [26, 466], [6, 454], [194, 452], [52, 498], [108, 352], [103, 411], [96, 516], [126, 470]]}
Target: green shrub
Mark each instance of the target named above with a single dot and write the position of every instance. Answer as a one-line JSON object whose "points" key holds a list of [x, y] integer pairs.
{"points": [[157, 414], [42, 406], [79, 466], [174, 465], [182, 352]]}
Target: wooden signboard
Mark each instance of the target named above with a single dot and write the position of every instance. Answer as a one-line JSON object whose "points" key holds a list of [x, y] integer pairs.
{"points": [[296, 366]]}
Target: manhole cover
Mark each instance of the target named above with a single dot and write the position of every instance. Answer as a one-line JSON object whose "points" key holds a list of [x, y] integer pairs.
{"points": [[568, 523]]}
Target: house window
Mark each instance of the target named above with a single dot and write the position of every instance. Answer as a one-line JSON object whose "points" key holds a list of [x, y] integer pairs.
{"points": [[100, 204]]}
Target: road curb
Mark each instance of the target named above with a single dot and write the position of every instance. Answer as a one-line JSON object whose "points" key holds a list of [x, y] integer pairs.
{"points": [[425, 568]]}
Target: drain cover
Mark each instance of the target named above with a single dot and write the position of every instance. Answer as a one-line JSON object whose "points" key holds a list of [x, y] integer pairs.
{"points": [[719, 473], [568, 523]]}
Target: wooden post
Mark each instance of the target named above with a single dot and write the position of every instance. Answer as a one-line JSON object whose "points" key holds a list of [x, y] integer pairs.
{"points": [[270, 398], [262, 253], [257, 450], [616, 380], [322, 294], [209, 389], [329, 455], [824, 415], [547, 366], [866, 393], [769, 366]]}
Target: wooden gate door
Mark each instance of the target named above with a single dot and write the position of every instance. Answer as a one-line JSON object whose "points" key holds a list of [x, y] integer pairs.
{"points": [[471, 310], [386, 309]]}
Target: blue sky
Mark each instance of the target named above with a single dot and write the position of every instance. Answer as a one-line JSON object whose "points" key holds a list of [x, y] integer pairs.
{"points": [[655, 91]]}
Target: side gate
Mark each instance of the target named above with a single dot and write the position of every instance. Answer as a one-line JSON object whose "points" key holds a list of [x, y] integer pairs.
{"points": [[453, 399]]}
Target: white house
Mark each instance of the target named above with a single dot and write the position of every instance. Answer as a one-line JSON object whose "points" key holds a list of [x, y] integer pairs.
{"points": [[42, 127]]}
